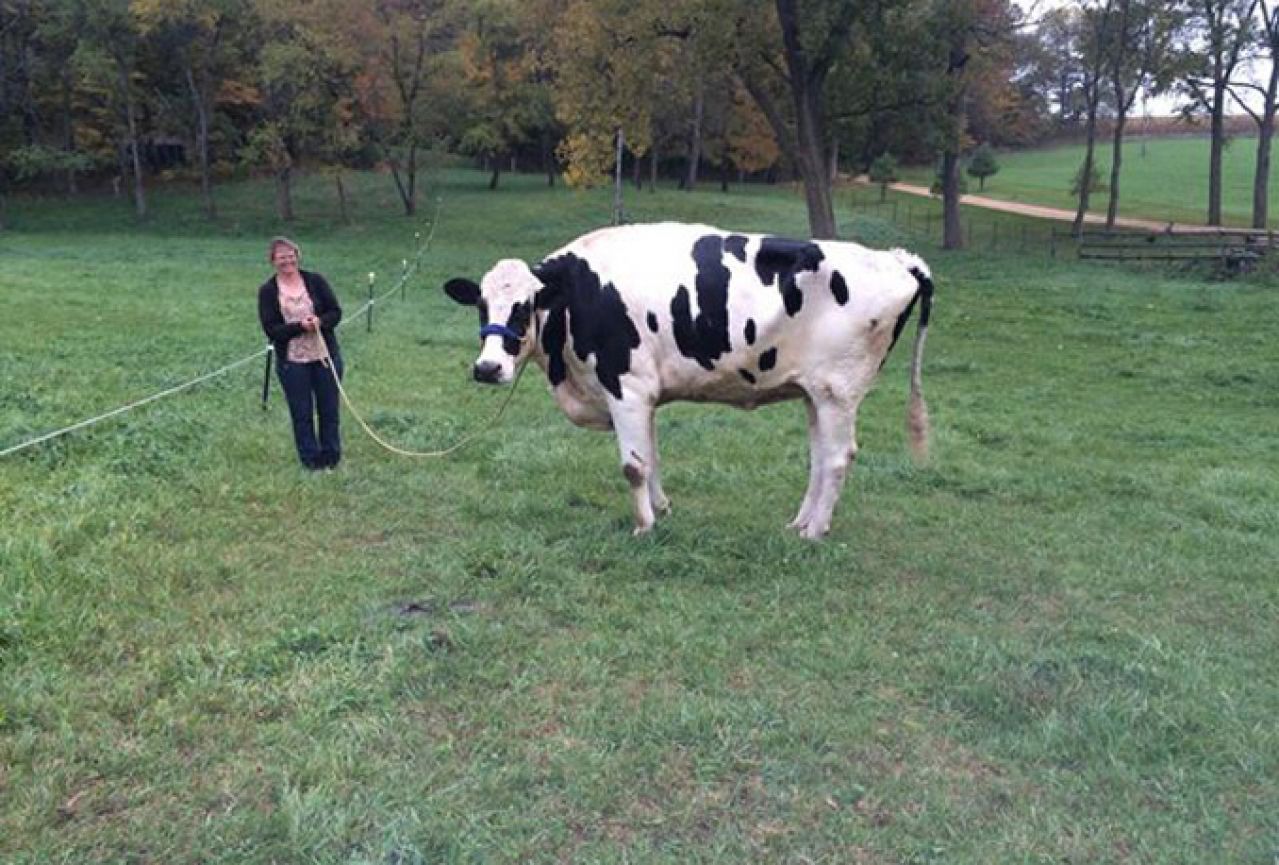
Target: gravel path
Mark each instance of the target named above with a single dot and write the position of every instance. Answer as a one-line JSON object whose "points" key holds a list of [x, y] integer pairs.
{"points": [[1051, 212]]}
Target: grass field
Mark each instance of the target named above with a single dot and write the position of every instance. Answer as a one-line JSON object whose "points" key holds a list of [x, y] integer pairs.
{"points": [[1055, 644], [1163, 179]]}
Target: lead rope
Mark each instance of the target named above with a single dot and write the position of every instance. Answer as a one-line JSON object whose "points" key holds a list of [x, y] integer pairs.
{"points": [[327, 360]]}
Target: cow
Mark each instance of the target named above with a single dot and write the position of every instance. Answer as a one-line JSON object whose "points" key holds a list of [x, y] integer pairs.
{"points": [[625, 319]]}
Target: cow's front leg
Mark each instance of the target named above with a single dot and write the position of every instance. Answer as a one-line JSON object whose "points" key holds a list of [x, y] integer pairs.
{"points": [[834, 450], [633, 423]]}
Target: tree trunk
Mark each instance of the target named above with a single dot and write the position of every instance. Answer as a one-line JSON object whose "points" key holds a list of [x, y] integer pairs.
{"points": [[695, 138], [637, 173], [284, 193], [202, 145], [1216, 148], [652, 168], [126, 93], [1085, 173], [410, 199], [618, 215], [952, 227], [1117, 151], [68, 126], [548, 158], [810, 158], [496, 175], [1265, 137], [342, 208], [952, 224]]}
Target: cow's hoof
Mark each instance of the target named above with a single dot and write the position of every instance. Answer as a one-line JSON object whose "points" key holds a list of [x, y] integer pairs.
{"points": [[639, 531], [663, 507], [809, 533]]}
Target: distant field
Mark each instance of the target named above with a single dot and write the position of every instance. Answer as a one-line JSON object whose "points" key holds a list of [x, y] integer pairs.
{"points": [[1055, 644], [1163, 178]]}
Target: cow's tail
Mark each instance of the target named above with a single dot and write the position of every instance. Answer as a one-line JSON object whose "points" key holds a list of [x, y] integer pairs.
{"points": [[917, 411]]}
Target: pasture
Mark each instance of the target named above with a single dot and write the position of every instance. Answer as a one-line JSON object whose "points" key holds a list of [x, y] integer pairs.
{"points": [[1163, 178], [1054, 644]]}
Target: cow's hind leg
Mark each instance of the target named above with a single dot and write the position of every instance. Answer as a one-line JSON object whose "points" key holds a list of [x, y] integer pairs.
{"points": [[814, 470], [633, 423], [656, 495], [834, 450]]}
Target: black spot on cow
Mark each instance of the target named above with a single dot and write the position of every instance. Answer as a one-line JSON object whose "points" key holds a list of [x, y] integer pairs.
{"points": [[768, 360], [838, 287], [518, 321], [705, 338], [747, 374], [652, 322], [554, 335], [736, 245], [750, 331], [596, 315], [923, 295], [782, 260]]}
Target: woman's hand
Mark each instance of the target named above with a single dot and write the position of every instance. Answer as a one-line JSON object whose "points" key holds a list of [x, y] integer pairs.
{"points": [[310, 324]]}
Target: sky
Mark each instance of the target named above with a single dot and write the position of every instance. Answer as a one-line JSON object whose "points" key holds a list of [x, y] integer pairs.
{"points": [[1163, 105]]}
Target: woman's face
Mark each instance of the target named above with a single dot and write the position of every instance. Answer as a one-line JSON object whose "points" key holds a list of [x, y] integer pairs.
{"points": [[285, 260]]}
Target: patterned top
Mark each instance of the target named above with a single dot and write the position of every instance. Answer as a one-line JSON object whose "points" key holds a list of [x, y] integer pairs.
{"points": [[305, 347]]}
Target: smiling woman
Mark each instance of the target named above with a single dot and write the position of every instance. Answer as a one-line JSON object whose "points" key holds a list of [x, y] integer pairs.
{"points": [[297, 309]]}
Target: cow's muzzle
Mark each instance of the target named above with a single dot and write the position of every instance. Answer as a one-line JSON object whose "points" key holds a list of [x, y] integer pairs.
{"points": [[487, 371]]}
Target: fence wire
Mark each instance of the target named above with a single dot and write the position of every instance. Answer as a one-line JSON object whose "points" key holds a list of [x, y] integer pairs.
{"points": [[366, 309]]}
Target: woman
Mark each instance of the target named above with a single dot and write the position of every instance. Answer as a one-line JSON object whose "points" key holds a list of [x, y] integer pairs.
{"points": [[297, 309]]}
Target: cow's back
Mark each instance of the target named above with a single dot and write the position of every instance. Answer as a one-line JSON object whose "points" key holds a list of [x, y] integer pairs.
{"points": [[712, 315]]}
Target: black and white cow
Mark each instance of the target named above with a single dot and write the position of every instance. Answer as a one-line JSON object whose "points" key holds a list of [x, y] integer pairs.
{"points": [[625, 319]]}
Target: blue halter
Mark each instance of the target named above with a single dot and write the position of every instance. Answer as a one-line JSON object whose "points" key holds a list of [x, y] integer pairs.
{"points": [[499, 330]]}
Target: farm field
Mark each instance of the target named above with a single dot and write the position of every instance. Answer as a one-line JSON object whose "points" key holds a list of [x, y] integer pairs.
{"points": [[1163, 179], [1055, 643]]}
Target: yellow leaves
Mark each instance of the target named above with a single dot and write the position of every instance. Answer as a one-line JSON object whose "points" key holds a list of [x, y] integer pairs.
{"points": [[751, 143], [587, 157]]}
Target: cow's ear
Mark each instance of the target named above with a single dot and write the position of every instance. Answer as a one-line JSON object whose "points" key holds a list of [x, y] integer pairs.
{"points": [[462, 290]]}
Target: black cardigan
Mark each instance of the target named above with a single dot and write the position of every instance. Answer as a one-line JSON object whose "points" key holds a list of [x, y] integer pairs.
{"points": [[279, 331]]}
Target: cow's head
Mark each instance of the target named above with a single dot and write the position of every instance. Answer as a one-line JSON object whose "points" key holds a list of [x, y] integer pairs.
{"points": [[507, 325]]}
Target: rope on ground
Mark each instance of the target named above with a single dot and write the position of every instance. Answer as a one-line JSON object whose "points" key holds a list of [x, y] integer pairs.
{"points": [[465, 440], [407, 272]]}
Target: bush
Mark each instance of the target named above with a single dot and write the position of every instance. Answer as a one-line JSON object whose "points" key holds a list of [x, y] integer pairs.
{"points": [[883, 171], [983, 164]]}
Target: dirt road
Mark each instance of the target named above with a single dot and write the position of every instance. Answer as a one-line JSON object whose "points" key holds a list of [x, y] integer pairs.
{"points": [[1055, 213]]}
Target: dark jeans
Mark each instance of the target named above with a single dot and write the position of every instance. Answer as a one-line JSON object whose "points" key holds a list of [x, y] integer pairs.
{"points": [[311, 392]]}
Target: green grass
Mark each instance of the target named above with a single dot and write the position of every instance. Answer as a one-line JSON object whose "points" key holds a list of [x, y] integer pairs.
{"points": [[1163, 179], [1055, 644]]}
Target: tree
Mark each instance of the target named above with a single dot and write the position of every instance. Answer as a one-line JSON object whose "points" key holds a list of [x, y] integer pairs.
{"points": [[610, 59], [812, 40], [508, 102], [1080, 188], [302, 81], [1224, 32], [414, 38], [197, 38], [1268, 32], [883, 171], [1139, 51], [983, 164], [109, 53], [1093, 35], [970, 30]]}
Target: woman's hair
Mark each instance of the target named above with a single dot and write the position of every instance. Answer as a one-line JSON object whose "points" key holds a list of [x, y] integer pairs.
{"points": [[282, 241]]}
